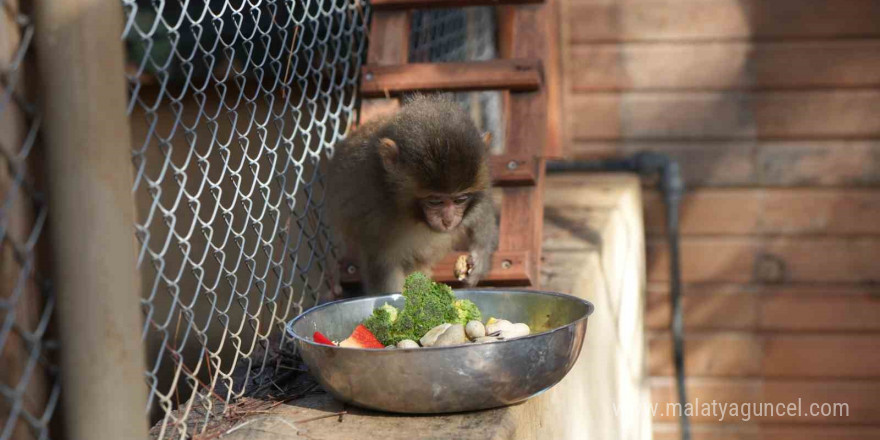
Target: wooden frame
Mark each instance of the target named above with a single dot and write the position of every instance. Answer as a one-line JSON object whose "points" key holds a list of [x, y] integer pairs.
{"points": [[519, 171]]}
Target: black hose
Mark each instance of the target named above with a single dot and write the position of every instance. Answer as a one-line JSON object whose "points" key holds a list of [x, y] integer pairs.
{"points": [[671, 184]]}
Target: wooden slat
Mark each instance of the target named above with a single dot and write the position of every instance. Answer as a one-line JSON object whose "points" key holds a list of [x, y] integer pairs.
{"points": [[389, 38], [756, 163], [862, 396], [386, 5], [808, 260], [734, 115], [772, 308], [508, 269], [724, 65], [616, 20], [737, 354], [770, 211], [510, 74], [514, 170], [521, 35]]}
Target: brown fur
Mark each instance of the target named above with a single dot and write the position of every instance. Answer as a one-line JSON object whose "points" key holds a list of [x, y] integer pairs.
{"points": [[380, 176]]}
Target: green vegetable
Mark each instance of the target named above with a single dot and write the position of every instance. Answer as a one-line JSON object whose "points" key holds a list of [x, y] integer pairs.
{"points": [[428, 304], [467, 311], [381, 323]]}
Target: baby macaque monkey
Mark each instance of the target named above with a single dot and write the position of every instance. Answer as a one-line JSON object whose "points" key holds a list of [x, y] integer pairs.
{"points": [[405, 189]]}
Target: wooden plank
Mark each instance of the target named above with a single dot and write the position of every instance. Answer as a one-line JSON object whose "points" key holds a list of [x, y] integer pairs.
{"points": [[728, 307], [725, 65], [617, 20], [513, 170], [514, 75], [708, 162], [733, 115], [821, 309], [522, 33], [769, 211], [812, 163], [861, 396], [703, 162], [809, 260], [508, 269], [395, 5], [772, 308], [553, 148], [389, 38], [754, 431], [738, 354]]}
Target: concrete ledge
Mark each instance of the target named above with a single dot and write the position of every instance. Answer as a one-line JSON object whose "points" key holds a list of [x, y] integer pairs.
{"points": [[594, 249]]}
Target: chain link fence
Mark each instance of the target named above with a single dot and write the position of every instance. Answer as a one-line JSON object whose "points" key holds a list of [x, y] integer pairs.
{"points": [[235, 105], [29, 386], [457, 35]]}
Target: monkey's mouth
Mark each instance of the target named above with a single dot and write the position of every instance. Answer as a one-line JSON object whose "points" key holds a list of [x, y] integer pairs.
{"points": [[439, 227]]}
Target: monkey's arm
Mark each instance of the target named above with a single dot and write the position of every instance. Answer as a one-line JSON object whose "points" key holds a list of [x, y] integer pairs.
{"points": [[483, 234]]}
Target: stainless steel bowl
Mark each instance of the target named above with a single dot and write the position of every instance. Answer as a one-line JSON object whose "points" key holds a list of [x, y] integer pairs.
{"points": [[447, 379]]}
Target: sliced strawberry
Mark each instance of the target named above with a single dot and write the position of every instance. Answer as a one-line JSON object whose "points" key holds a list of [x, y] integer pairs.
{"points": [[321, 339], [361, 338]]}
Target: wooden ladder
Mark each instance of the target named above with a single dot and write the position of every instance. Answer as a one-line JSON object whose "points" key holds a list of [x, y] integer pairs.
{"points": [[526, 37]]}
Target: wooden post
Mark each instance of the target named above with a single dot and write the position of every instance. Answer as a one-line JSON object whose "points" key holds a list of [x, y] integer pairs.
{"points": [[91, 213]]}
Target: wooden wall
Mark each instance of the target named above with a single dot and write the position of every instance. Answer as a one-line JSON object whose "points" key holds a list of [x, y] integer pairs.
{"points": [[773, 108]]}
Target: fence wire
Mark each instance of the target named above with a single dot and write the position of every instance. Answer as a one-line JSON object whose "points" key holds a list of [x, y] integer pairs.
{"points": [[235, 104], [29, 386], [456, 35]]}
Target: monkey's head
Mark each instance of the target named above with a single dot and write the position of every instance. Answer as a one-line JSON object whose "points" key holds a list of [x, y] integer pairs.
{"points": [[435, 161]]}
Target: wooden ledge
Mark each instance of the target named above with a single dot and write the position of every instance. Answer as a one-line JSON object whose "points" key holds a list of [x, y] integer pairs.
{"points": [[519, 75]]}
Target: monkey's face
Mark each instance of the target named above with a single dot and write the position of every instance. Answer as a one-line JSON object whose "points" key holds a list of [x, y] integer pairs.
{"points": [[444, 212]]}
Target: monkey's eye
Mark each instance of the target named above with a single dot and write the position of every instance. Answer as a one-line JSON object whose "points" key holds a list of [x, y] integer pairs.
{"points": [[433, 202], [461, 199]]}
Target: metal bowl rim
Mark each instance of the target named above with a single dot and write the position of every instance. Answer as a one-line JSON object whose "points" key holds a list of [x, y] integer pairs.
{"points": [[590, 308]]}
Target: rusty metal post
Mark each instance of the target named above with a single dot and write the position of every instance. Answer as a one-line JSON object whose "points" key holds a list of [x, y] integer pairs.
{"points": [[91, 209]]}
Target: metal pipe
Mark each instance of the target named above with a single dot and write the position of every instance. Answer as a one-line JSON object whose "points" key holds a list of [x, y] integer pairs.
{"points": [[91, 213]]}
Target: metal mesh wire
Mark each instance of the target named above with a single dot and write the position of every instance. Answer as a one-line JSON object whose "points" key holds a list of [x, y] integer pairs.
{"points": [[455, 35], [29, 386], [235, 104]]}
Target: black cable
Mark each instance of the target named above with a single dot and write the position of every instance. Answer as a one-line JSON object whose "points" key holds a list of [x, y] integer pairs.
{"points": [[671, 184]]}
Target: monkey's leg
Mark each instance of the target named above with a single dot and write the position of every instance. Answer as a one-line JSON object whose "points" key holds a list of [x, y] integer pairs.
{"points": [[381, 278], [483, 232]]}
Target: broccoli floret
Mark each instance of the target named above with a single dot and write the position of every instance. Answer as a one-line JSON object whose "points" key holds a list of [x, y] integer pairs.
{"points": [[428, 304], [381, 323], [466, 311]]}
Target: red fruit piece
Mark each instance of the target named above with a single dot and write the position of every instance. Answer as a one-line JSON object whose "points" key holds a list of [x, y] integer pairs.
{"points": [[321, 339], [361, 338]]}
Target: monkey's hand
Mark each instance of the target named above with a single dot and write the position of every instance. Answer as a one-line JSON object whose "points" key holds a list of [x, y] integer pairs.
{"points": [[478, 264]]}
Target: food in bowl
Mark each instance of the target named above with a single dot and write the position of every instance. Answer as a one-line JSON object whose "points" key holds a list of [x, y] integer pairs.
{"points": [[431, 317]]}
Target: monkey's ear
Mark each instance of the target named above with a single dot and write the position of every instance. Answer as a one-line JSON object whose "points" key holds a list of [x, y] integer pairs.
{"points": [[487, 139], [389, 152]]}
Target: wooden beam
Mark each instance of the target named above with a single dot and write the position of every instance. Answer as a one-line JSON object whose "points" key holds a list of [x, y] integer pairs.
{"points": [[510, 74], [385, 5], [513, 170], [508, 269]]}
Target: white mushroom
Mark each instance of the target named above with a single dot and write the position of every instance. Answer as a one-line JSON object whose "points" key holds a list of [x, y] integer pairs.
{"points": [[431, 337], [475, 329], [498, 326], [407, 343], [454, 335], [515, 331]]}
